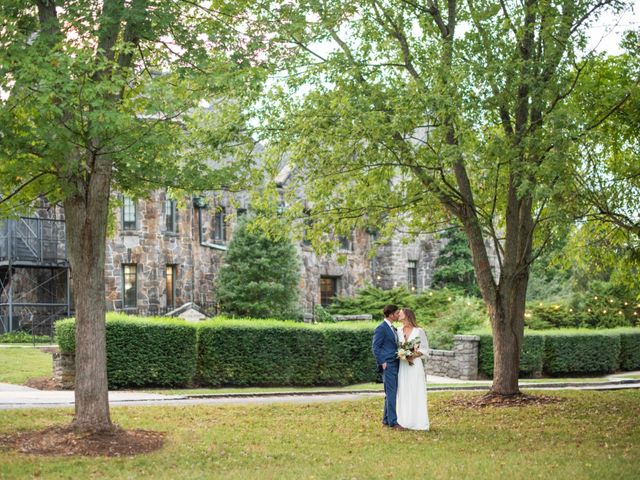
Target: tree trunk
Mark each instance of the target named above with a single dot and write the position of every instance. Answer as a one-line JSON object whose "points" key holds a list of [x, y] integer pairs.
{"points": [[508, 331], [86, 228]]}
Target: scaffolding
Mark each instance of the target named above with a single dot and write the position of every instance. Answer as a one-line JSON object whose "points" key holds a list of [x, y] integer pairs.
{"points": [[34, 275]]}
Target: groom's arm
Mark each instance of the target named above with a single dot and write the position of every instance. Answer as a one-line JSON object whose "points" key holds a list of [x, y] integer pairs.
{"points": [[376, 345]]}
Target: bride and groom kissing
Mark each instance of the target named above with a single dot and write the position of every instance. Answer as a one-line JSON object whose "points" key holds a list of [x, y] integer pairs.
{"points": [[400, 354]]}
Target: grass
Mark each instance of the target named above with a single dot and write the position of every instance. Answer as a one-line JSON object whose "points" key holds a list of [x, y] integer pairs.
{"points": [[590, 435], [19, 364]]}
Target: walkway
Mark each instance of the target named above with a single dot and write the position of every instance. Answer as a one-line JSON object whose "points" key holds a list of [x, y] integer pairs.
{"points": [[18, 396]]}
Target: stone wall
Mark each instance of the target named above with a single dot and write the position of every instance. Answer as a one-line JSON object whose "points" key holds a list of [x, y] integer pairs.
{"points": [[461, 362], [64, 369]]}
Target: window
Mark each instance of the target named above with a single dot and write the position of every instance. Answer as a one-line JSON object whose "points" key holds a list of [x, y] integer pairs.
{"points": [[129, 285], [219, 227], [170, 222], [344, 242], [128, 214], [412, 274], [328, 290], [170, 275]]}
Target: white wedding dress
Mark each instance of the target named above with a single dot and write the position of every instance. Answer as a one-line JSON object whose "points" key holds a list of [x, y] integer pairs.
{"points": [[411, 403]]}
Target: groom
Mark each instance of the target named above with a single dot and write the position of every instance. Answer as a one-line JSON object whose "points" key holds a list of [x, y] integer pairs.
{"points": [[385, 348]]}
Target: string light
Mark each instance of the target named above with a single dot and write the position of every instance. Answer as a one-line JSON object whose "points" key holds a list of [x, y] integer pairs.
{"points": [[595, 298], [610, 300]]}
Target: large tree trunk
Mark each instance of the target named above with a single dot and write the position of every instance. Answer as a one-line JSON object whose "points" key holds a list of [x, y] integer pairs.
{"points": [[86, 227], [507, 324], [505, 299]]}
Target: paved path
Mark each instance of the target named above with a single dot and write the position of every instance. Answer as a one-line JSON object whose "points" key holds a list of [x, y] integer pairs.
{"points": [[18, 396]]}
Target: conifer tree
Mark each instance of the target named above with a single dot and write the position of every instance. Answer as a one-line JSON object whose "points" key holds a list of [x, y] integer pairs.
{"points": [[260, 277]]}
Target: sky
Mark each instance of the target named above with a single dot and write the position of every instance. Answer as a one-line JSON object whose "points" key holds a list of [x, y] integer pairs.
{"points": [[606, 33]]}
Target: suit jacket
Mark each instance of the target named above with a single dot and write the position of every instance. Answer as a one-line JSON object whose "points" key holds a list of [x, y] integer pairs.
{"points": [[384, 344]]}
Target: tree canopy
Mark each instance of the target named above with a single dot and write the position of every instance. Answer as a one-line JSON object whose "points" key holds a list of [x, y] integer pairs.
{"points": [[414, 114]]}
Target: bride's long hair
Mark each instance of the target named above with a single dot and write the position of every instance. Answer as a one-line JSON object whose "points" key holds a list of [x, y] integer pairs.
{"points": [[411, 317]]}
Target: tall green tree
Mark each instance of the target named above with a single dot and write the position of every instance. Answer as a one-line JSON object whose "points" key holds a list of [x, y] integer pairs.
{"points": [[260, 277], [103, 96], [418, 112], [453, 267]]}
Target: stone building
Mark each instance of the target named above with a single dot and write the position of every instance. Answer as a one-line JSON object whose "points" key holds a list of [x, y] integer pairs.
{"points": [[163, 253]]}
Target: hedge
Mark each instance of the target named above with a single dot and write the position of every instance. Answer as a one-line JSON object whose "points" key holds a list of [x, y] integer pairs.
{"points": [[277, 353], [576, 351], [597, 352], [531, 356], [143, 352], [630, 350]]}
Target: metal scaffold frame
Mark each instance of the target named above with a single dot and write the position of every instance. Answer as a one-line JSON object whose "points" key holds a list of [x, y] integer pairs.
{"points": [[33, 250]]}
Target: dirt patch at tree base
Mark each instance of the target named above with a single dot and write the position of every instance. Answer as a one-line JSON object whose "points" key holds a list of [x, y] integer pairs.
{"points": [[44, 383], [493, 400], [65, 441]]}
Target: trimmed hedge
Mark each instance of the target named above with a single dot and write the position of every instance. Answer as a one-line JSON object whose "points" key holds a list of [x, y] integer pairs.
{"points": [[630, 350], [581, 353], [143, 352], [531, 356], [277, 353], [570, 351]]}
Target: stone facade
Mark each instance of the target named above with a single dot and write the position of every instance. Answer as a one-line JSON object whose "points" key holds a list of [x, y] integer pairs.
{"points": [[190, 248], [461, 362], [149, 251]]}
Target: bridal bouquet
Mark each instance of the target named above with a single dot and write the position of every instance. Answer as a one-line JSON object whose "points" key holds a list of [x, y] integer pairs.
{"points": [[407, 349]]}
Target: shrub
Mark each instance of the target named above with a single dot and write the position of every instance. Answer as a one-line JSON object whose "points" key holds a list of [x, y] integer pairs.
{"points": [[150, 351], [273, 353], [20, 336], [531, 356], [581, 352], [260, 276], [630, 350], [65, 335]]}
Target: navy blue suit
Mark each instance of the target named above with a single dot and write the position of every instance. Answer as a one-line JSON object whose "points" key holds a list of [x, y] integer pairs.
{"points": [[385, 349]]}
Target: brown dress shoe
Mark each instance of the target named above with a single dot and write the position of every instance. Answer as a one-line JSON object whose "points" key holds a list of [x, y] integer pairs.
{"points": [[398, 427]]}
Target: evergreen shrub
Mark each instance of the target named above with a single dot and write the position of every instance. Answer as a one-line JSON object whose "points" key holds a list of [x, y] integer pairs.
{"points": [[582, 352], [531, 356], [142, 351], [630, 350], [277, 353]]}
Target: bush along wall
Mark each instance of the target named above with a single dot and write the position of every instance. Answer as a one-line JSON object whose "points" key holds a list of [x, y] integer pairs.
{"points": [[531, 356], [143, 352], [223, 352], [276, 353], [561, 352]]}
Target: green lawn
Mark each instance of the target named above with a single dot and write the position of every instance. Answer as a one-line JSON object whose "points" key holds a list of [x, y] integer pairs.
{"points": [[19, 364], [590, 435]]}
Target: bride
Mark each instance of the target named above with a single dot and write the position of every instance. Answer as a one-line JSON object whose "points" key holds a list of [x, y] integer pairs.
{"points": [[411, 403]]}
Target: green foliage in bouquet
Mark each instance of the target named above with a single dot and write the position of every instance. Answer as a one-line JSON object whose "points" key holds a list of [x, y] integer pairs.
{"points": [[260, 277]]}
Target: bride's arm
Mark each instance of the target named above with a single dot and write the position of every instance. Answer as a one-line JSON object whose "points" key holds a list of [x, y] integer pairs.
{"points": [[424, 344]]}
